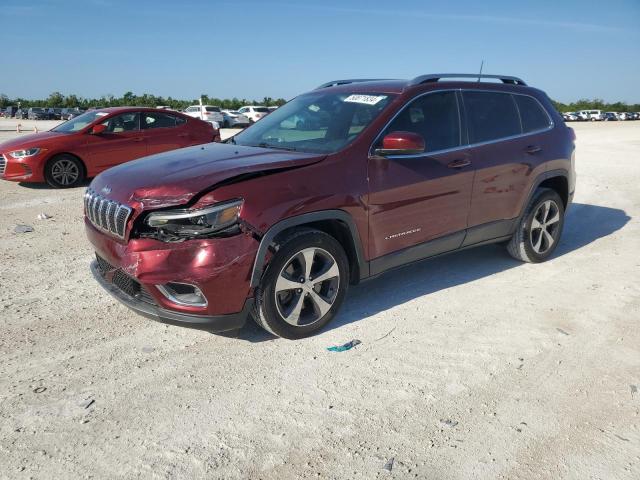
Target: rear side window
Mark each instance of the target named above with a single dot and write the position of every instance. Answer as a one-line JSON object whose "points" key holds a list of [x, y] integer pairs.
{"points": [[160, 120], [491, 115], [212, 109], [435, 116], [532, 114]]}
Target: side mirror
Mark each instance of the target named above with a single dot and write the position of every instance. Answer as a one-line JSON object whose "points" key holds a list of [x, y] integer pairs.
{"points": [[401, 143], [98, 129]]}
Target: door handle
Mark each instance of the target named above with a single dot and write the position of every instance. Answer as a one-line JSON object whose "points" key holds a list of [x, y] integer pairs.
{"points": [[460, 163], [531, 149], [183, 135], [138, 139]]}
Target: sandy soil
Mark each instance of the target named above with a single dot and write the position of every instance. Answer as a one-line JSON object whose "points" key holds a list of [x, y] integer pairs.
{"points": [[471, 365]]}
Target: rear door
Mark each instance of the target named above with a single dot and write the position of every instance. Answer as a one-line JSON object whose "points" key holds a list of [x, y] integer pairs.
{"points": [[507, 151], [164, 131], [121, 142], [417, 198]]}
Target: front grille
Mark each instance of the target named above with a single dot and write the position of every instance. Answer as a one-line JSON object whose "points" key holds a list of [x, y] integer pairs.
{"points": [[106, 214], [124, 282], [3, 164]]}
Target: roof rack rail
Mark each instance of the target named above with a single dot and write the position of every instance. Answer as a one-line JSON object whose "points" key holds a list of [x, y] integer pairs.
{"points": [[435, 77], [335, 83]]}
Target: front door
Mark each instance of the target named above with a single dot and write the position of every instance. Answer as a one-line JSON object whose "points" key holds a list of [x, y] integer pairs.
{"points": [[417, 198], [121, 142]]}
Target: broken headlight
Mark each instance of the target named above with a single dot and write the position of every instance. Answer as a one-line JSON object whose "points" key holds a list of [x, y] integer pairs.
{"points": [[203, 222]]}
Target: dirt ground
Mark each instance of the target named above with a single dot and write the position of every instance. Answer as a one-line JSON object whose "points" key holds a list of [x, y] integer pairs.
{"points": [[471, 365]]}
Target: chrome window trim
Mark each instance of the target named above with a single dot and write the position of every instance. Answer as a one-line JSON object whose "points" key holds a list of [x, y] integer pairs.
{"points": [[468, 145]]}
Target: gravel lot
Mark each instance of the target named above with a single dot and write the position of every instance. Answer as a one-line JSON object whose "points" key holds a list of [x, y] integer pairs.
{"points": [[471, 365]]}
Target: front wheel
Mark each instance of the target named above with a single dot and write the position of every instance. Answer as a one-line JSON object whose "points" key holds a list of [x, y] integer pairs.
{"points": [[64, 171], [304, 285], [540, 228]]}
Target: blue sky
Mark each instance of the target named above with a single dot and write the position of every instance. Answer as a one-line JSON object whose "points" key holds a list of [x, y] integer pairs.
{"points": [[569, 48]]}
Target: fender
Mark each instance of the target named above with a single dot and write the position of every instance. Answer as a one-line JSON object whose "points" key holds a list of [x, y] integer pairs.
{"points": [[270, 235]]}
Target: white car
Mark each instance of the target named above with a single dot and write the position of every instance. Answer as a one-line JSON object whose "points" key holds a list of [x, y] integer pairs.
{"points": [[233, 119], [593, 115], [208, 113], [253, 112]]}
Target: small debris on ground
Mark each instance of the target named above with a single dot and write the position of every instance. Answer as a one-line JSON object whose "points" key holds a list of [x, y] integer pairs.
{"points": [[23, 229], [345, 347], [389, 465], [44, 216], [386, 334], [562, 331], [39, 389], [449, 423], [87, 403], [634, 389], [147, 349]]}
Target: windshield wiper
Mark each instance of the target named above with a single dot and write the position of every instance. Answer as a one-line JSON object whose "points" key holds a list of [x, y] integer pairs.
{"points": [[271, 145]]}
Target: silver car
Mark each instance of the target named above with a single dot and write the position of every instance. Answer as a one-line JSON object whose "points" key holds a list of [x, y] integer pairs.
{"points": [[233, 119]]}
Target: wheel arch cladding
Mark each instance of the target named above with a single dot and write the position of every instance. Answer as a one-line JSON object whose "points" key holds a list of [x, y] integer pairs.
{"points": [[337, 223], [560, 185]]}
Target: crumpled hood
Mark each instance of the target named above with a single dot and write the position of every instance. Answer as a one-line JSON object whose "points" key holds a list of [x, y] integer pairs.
{"points": [[34, 140], [173, 178]]}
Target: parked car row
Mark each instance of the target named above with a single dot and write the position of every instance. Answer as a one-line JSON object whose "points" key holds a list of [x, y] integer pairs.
{"points": [[39, 113], [598, 116], [242, 117]]}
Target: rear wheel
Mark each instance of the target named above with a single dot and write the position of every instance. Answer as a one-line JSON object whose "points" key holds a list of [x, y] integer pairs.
{"points": [[304, 285], [64, 171], [540, 228]]}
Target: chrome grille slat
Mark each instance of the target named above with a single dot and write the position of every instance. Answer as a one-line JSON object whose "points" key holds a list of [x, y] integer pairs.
{"points": [[106, 214], [3, 164]]}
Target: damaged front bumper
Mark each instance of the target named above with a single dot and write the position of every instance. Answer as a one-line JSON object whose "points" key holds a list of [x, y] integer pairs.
{"points": [[135, 273], [215, 323]]}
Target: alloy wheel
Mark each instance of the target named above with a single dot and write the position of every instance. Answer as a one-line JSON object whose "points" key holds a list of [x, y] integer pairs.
{"points": [[545, 227], [307, 286], [65, 172]]}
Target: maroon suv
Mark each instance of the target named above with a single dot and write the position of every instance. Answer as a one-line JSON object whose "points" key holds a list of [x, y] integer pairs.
{"points": [[339, 185]]}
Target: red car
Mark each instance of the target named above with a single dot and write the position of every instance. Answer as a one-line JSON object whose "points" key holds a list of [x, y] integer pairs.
{"points": [[278, 221], [96, 140]]}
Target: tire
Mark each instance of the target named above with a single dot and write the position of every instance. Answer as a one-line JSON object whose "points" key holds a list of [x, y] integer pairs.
{"points": [[64, 171], [317, 303], [538, 234]]}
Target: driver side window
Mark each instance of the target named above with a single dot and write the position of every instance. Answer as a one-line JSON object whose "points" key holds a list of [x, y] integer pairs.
{"points": [[125, 122], [434, 116]]}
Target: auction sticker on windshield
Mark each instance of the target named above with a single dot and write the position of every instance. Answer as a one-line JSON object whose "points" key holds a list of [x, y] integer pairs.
{"points": [[366, 99]]}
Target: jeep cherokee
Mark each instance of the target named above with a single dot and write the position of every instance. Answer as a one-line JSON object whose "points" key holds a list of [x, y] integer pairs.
{"points": [[277, 221]]}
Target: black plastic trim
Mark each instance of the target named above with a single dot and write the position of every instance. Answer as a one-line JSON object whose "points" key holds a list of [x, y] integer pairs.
{"points": [[416, 253], [488, 231], [270, 235], [217, 323]]}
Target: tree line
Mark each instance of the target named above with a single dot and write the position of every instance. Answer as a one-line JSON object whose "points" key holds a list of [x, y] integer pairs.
{"points": [[596, 104], [57, 99]]}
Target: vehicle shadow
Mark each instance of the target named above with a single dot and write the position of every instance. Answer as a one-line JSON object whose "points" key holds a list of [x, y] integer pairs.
{"points": [[584, 225], [45, 186]]}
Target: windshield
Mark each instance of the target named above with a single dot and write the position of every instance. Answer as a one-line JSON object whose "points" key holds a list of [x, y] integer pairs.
{"points": [[319, 122], [78, 123], [261, 109]]}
